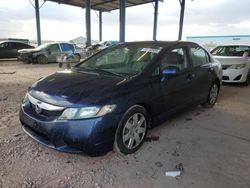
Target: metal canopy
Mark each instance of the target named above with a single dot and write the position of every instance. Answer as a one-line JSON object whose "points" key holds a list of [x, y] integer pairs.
{"points": [[102, 5]]}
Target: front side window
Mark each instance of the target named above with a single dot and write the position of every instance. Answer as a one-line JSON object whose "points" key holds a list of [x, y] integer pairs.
{"points": [[198, 56], [54, 48], [175, 59], [124, 60]]}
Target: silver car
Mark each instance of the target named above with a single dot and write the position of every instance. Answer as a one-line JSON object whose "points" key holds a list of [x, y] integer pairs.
{"points": [[48, 52], [235, 62]]}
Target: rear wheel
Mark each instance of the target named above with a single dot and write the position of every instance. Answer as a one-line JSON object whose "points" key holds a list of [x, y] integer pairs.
{"points": [[131, 130], [41, 59], [212, 95]]}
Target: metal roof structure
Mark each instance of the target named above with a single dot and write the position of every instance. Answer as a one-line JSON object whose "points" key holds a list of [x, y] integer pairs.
{"points": [[107, 6], [103, 5]]}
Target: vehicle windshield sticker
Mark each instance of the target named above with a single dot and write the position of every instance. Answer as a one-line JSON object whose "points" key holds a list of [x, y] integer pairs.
{"points": [[156, 51]]}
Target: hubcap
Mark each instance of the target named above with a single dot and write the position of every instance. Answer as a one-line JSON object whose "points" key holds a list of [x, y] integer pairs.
{"points": [[213, 94], [134, 131]]}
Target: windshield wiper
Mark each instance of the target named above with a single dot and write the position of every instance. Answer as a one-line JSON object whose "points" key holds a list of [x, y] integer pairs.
{"points": [[107, 72]]}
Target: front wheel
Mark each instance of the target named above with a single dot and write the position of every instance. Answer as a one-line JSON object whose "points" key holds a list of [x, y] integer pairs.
{"points": [[246, 83], [41, 59], [77, 58], [132, 130], [212, 95]]}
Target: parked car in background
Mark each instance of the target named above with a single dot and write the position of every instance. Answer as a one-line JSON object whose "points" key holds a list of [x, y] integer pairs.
{"points": [[112, 98], [48, 52], [235, 62], [105, 44], [90, 50], [9, 49]]}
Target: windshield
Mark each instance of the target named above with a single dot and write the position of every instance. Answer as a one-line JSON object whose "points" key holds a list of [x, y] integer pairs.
{"points": [[43, 46], [122, 60], [230, 50]]}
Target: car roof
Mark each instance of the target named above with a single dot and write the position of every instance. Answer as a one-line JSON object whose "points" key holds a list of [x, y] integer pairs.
{"points": [[160, 43], [59, 43], [228, 45], [16, 41]]}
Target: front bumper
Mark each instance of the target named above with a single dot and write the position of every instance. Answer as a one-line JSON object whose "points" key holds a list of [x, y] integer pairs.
{"points": [[235, 75], [25, 58], [94, 136]]}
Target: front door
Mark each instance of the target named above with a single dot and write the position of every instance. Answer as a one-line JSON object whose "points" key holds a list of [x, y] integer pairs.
{"points": [[176, 88], [53, 51]]}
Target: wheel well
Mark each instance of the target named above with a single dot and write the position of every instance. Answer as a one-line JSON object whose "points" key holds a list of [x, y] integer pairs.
{"points": [[149, 111], [78, 55], [218, 82]]}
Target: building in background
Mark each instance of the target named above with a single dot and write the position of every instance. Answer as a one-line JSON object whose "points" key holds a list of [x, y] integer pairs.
{"points": [[209, 42]]}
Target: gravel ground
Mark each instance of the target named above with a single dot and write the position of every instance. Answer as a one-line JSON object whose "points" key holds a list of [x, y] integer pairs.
{"points": [[213, 145]]}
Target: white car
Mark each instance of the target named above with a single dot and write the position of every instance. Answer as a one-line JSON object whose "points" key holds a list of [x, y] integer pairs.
{"points": [[235, 62]]}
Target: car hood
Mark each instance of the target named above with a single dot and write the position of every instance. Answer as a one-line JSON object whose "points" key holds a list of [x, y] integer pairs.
{"points": [[73, 88], [230, 60], [28, 50]]}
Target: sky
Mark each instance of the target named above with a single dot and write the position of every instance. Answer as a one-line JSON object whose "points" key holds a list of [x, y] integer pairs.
{"points": [[63, 22]]}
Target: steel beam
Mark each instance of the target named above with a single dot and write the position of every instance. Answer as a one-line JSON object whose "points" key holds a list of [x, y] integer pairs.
{"points": [[88, 22], [100, 25], [181, 19], [38, 29], [122, 20], [155, 19]]}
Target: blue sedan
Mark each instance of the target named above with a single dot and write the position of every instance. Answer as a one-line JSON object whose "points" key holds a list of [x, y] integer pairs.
{"points": [[110, 100]]}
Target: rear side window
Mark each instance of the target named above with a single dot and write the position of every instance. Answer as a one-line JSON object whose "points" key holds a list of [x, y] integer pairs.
{"points": [[67, 47], [198, 56], [4, 45]]}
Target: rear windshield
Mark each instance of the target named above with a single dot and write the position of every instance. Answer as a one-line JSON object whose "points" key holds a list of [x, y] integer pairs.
{"points": [[230, 50]]}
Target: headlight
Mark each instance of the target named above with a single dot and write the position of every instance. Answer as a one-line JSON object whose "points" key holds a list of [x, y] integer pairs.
{"points": [[238, 66], [86, 112], [25, 99]]}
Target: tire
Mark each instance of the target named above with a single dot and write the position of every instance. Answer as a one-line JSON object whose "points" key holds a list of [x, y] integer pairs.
{"points": [[246, 83], [77, 58], [132, 130], [41, 59], [212, 95]]}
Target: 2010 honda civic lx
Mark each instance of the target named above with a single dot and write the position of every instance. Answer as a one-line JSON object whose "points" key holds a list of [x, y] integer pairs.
{"points": [[111, 99]]}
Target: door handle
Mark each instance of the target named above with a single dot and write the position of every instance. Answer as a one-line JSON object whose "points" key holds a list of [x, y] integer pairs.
{"points": [[190, 76]]}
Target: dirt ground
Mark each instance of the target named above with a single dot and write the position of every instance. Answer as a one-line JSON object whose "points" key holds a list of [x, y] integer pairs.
{"points": [[213, 145]]}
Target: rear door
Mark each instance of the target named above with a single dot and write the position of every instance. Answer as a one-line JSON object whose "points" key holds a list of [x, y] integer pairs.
{"points": [[201, 71], [67, 48], [3, 49], [6, 50]]}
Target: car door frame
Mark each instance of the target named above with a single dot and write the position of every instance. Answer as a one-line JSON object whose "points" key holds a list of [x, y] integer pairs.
{"points": [[52, 55], [162, 84], [202, 75]]}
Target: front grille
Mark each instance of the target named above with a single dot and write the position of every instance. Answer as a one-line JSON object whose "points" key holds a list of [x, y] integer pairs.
{"points": [[225, 66], [225, 78], [25, 55], [47, 113]]}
